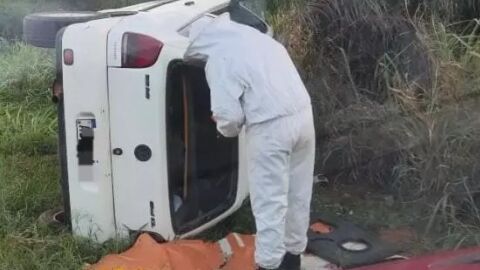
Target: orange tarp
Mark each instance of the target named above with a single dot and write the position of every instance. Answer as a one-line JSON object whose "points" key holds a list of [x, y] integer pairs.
{"points": [[321, 228], [235, 252]]}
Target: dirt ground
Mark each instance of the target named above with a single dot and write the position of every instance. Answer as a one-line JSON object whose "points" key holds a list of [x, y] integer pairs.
{"points": [[401, 224]]}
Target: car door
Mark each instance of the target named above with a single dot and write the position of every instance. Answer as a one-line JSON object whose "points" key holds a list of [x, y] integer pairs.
{"points": [[240, 13]]}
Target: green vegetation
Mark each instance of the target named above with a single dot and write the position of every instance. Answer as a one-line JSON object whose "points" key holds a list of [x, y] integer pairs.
{"points": [[395, 89], [29, 167]]}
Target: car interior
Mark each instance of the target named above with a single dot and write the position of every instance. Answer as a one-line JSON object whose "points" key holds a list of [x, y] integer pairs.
{"points": [[202, 164]]}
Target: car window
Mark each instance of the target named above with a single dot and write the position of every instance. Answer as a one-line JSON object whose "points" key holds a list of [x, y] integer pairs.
{"points": [[249, 12], [257, 7]]}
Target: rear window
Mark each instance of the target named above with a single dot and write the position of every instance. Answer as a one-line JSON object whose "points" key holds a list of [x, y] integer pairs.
{"points": [[241, 13]]}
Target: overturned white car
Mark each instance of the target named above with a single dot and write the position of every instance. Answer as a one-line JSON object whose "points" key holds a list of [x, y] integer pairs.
{"points": [[138, 149]]}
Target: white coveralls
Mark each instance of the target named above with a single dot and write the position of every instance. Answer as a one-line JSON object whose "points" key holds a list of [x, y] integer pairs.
{"points": [[255, 84]]}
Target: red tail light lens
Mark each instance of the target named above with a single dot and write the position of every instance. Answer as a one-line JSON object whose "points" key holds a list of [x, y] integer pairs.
{"points": [[139, 51]]}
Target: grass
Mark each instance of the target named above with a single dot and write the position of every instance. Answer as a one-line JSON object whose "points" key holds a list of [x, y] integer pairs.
{"points": [[29, 168], [396, 104], [28, 121]]}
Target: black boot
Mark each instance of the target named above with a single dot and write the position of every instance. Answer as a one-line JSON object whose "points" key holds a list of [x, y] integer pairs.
{"points": [[290, 262]]}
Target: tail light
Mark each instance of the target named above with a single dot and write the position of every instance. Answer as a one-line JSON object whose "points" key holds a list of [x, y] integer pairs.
{"points": [[68, 57], [139, 51]]}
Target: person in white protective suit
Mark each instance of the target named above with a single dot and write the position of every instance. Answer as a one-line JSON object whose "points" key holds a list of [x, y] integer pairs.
{"points": [[254, 84]]}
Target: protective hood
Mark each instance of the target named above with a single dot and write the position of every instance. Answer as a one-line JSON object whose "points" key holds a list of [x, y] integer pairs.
{"points": [[207, 34]]}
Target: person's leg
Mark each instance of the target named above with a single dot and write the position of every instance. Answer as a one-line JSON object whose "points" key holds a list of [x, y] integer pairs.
{"points": [[301, 183], [268, 158]]}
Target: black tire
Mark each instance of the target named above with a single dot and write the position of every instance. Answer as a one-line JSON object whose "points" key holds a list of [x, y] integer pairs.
{"points": [[329, 246], [40, 29]]}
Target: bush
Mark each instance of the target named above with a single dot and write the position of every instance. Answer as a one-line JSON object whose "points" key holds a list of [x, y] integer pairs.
{"points": [[443, 167], [395, 100], [354, 47], [446, 10]]}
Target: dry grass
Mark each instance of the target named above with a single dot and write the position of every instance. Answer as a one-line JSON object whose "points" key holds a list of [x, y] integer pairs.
{"points": [[395, 96], [444, 169]]}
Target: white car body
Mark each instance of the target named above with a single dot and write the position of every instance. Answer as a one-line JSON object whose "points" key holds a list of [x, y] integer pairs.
{"points": [[118, 194]]}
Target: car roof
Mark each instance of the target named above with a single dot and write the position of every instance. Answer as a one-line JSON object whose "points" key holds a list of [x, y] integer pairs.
{"points": [[137, 7], [188, 11]]}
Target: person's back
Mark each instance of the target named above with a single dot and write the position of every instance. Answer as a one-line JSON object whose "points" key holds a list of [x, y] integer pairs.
{"points": [[272, 85]]}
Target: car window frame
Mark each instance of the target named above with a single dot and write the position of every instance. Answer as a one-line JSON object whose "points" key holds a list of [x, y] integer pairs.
{"points": [[219, 10], [265, 26]]}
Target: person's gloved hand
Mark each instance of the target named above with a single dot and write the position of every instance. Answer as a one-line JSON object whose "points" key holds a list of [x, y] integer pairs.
{"points": [[228, 128]]}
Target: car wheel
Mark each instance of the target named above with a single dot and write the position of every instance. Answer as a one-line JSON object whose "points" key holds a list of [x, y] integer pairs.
{"points": [[40, 29]]}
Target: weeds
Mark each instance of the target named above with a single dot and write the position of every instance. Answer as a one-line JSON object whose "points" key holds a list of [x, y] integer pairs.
{"points": [[443, 167], [396, 101], [28, 124], [25, 74], [446, 10], [26, 130]]}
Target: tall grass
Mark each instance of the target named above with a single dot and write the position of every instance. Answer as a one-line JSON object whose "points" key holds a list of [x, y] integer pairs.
{"points": [[396, 100], [341, 45], [444, 168], [447, 10], [25, 73], [28, 124]]}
